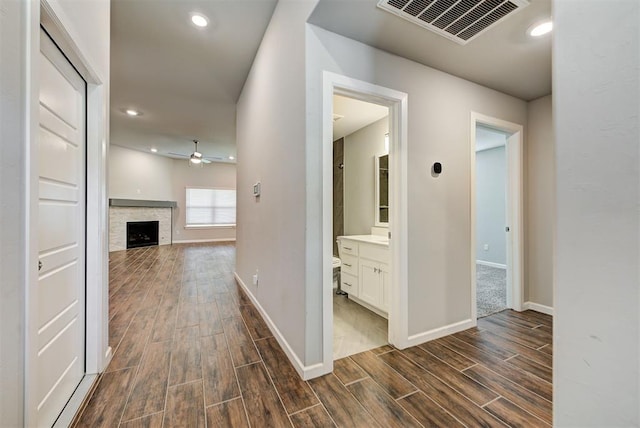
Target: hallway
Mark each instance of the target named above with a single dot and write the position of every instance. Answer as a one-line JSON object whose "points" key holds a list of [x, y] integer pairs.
{"points": [[192, 351]]}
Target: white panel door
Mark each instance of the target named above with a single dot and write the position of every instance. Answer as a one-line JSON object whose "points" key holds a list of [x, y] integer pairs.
{"points": [[61, 233]]}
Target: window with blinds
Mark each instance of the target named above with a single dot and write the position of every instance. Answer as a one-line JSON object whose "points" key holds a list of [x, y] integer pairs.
{"points": [[210, 207]]}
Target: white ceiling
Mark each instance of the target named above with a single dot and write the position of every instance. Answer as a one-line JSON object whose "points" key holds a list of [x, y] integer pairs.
{"points": [[186, 80], [355, 114], [504, 58]]}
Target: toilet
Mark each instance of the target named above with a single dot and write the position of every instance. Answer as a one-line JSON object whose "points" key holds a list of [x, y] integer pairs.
{"points": [[336, 276], [336, 272]]}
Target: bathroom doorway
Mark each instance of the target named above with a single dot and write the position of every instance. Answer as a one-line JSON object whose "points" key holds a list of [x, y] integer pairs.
{"points": [[491, 220], [361, 259], [496, 201], [396, 277]]}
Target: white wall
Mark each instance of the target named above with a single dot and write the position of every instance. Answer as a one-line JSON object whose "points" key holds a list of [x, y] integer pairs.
{"points": [[87, 24], [439, 112], [360, 148], [138, 175], [491, 208], [13, 137], [272, 235], [216, 175], [596, 86], [539, 202]]}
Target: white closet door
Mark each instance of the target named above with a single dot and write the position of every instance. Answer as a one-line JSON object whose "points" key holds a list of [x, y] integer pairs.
{"points": [[60, 317]]}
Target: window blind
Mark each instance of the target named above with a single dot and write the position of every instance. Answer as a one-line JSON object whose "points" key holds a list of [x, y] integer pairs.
{"points": [[210, 207]]}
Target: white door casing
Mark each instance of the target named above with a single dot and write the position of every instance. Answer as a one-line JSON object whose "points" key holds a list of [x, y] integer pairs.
{"points": [[60, 298], [397, 275]]}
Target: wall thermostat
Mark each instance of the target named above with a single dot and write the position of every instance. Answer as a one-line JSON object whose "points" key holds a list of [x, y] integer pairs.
{"points": [[256, 189]]}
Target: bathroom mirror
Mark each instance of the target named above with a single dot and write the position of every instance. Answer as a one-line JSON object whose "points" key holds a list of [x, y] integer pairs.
{"points": [[382, 190]]}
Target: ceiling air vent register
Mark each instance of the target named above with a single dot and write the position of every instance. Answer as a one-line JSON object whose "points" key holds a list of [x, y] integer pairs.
{"points": [[457, 20]]}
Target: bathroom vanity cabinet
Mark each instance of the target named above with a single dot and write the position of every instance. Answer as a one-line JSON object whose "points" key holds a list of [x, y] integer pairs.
{"points": [[364, 273]]}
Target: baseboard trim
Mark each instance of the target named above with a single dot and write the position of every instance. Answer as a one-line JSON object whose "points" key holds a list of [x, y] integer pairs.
{"points": [[491, 264], [537, 307], [305, 372], [372, 308], [107, 357], [196, 241], [436, 333]]}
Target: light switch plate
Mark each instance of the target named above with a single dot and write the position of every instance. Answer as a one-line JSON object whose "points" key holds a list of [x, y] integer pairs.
{"points": [[256, 189]]}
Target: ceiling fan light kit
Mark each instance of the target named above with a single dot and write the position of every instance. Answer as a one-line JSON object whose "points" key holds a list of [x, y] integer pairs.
{"points": [[196, 156]]}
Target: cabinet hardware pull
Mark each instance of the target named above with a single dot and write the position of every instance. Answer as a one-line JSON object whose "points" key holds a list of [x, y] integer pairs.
{"points": [[347, 284], [346, 264], [348, 248]]}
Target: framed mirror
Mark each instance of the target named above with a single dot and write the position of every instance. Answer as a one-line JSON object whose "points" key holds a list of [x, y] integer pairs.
{"points": [[382, 190]]}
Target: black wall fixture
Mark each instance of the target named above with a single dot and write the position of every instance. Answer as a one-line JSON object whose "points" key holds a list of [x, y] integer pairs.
{"points": [[437, 168]]}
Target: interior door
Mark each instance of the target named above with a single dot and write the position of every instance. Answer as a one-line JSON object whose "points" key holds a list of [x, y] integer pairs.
{"points": [[60, 293]]}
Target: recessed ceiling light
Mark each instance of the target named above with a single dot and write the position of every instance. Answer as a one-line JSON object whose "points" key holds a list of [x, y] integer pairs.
{"points": [[231, 158], [154, 150], [541, 28], [132, 112], [199, 20]]}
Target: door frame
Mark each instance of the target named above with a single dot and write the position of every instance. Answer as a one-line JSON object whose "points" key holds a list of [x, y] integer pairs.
{"points": [[397, 102], [515, 213], [50, 15]]}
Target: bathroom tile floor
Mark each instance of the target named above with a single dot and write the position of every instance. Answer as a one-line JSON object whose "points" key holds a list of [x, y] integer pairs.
{"points": [[190, 350], [355, 328]]}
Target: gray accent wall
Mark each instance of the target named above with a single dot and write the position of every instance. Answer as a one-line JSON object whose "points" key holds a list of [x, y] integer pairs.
{"points": [[491, 181], [338, 192]]}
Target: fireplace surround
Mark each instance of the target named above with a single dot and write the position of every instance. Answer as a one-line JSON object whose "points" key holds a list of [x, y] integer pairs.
{"points": [[123, 211]]}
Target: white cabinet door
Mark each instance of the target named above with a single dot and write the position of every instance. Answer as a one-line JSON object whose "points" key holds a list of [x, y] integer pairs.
{"points": [[370, 290], [61, 236], [384, 285]]}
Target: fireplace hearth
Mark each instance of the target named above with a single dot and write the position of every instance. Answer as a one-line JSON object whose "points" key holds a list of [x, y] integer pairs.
{"points": [[142, 233]]}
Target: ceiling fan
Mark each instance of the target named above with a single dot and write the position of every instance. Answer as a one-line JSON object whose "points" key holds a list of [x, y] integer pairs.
{"points": [[196, 158]]}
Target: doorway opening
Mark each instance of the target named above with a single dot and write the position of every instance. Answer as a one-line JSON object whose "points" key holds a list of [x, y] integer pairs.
{"points": [[360, 225], [496, 205]]}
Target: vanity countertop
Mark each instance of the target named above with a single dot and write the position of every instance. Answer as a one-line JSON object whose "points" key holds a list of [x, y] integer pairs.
{"points": [[370, 239]]}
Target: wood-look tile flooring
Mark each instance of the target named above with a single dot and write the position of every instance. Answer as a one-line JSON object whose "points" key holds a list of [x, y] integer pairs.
{"points": [[191, 351]]}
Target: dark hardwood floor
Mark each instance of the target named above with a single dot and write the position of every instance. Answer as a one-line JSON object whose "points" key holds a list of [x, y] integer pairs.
{"points": [[190, 350]]}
